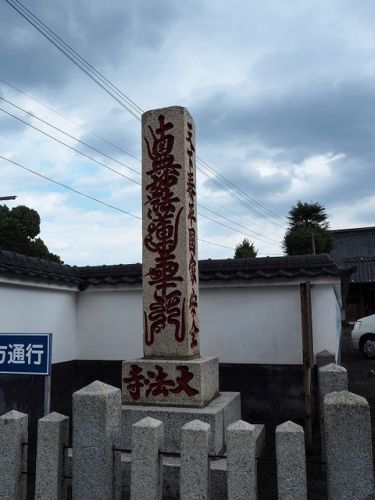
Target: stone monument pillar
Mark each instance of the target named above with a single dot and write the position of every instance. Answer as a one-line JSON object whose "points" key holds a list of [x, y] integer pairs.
{"points": [[170, 285], [172, 374], [172, 371]]}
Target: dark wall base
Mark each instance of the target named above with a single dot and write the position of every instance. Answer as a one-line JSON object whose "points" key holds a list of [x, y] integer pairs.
{"points": [[269, 393]]}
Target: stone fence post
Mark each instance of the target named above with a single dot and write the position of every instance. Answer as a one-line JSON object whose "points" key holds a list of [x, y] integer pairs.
{"points": [[194, 470], [347, 432], [325, 358], [146, 466], [291, 462], [241, 460], [13, 438], [96, 427], [53, 439], [332, 378]]}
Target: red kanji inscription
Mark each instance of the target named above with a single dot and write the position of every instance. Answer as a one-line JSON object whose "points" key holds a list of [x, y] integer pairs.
{"points": [[192, 240], [162, 236], [160, 384], [193, 269], [183, 382], [191, 191], [134, 382], [156, 382]]}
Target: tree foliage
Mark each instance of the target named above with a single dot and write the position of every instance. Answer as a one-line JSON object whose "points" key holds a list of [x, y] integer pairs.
{"points": [[308, 230], [19, 228], [245, 249]]}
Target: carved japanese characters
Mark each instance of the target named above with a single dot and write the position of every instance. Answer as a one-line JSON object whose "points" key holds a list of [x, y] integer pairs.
{"points": [[171, 372], [170, 271]]}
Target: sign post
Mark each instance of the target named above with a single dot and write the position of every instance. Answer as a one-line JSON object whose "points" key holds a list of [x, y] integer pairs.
{"points": [[28, 354]]}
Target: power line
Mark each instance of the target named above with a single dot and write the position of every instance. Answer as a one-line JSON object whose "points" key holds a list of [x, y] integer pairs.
{"points": [[103, 82], [80, 193], [216, 244], [236, 223], [235, 196], [272, 214], [89, 146], [123, 164], [225, 225], [70, 188], [258, 237], [75, 54], [71, 136], [70, 147], [84, 66], [69, 120], [107, 167], [100, 201]]}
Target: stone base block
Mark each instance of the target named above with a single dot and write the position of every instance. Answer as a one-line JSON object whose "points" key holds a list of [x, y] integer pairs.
{"points": [[191, 382], [222, 411]]}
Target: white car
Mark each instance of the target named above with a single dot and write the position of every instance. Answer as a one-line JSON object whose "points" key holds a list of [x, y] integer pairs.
{"points": [[363, 336]]}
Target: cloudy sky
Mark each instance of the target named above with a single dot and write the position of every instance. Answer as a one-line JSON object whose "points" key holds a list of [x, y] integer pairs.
{"points": [[282, 93]]}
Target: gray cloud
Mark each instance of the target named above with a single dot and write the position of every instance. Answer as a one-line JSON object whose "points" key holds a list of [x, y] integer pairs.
{"points": [[316, 119], [106, 35], [305, 121], [268, 86]]}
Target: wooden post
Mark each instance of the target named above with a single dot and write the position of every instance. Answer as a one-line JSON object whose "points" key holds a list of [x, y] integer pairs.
{"points": [[308, 358]]}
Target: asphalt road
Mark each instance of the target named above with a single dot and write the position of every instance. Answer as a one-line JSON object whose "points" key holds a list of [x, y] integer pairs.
{"points": [[361, 375]]}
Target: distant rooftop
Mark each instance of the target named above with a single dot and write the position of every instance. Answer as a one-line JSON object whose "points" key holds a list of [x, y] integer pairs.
{"points": [[247, 269], [355, 242], [355, 246]]}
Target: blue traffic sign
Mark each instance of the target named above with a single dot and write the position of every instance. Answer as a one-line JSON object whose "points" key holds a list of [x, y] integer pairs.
{"points": [[25, 353]]}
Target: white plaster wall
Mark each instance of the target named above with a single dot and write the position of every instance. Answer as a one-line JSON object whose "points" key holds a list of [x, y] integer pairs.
{"points": [[252, 324], [256, 324], [109, 324], [28, 309], [326, 319]]}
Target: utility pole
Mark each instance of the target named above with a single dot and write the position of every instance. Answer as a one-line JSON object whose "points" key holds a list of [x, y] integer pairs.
{"points": [[313, 242]]}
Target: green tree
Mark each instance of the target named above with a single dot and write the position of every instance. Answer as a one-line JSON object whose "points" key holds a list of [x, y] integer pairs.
{"points": [[308, 231], [19, 228], [245, 249]]}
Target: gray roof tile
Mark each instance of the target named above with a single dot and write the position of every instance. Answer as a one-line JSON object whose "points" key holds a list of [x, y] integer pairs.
{"points": [[356, 247], [13, 264]]}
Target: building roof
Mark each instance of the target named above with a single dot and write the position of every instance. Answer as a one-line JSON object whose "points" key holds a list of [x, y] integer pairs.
{"points": [[355, 246], [268, 268], [247, 269], [356, 242], [24, 267]]}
